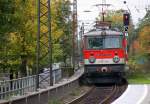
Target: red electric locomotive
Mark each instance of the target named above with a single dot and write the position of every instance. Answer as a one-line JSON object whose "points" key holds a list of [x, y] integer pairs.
{"points": [[104, 54]]}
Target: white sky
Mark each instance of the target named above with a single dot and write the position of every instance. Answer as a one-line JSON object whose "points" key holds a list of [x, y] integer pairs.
{"points": [[137, 8]]}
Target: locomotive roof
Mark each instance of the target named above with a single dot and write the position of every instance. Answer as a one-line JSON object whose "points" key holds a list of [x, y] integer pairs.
{"points": [[98, 32]]}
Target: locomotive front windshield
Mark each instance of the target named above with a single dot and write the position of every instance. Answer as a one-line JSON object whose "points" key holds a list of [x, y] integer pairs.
{"points": [[106, 42]]}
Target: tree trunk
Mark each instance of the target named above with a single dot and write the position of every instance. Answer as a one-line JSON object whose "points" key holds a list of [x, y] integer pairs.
{"points": [[23, 66]]}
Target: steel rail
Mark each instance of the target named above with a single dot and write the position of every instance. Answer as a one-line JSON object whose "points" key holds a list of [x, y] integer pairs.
{"points": [[107, 99], [78, 99], [100, 94]]}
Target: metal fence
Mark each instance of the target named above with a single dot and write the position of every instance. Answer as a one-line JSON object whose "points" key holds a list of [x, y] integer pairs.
{"points": [[44, 78], [17, 87], [22, 86]]}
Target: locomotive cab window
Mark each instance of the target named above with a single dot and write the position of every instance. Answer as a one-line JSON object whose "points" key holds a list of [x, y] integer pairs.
{"points": [[112, 42], [106, 42], [95, 43]]}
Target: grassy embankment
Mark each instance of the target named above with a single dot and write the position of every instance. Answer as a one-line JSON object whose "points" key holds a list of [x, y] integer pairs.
{"points": [[139, 78], [139, 71]]}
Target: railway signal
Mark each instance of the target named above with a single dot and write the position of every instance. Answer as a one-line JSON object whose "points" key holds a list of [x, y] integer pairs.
{"points": [[126, 19]]}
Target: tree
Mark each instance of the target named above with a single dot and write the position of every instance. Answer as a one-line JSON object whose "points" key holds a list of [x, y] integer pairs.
{"points": [[143, 36], [61, 29], [116, 17], [18, 30], [141, 44], [8, 21]]}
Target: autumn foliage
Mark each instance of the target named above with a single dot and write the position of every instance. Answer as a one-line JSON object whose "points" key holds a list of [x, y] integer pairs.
{"points": [[144, 39], [18, 33]]}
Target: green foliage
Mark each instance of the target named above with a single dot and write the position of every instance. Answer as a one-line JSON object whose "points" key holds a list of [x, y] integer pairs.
{"points": [[139, 78], [61, 30], [143, 37], [116, 18], [55, 101], [145, 21], [18, 29], [7, 17]]}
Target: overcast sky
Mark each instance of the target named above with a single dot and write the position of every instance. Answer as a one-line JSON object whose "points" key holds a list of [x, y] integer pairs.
{"points": [[137, 8]]}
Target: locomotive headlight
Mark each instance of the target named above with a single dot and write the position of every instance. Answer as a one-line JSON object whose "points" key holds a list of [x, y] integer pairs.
{"points": [[92, 59], [116, 59]]}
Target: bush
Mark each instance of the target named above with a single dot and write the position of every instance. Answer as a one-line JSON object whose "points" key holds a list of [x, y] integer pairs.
{"points": [[67, 71], [136, 65]]}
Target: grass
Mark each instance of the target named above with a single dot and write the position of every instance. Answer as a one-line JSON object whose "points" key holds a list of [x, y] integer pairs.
{"points": [[74, 93], [55, 101], [60, 101], [139, 78]]}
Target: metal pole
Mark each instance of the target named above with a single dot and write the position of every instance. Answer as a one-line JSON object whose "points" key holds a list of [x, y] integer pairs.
{"points": [[38, 47], [74, 31], [73, 43], [82, 28], [73, 40], [82, 32], [50, 43], [44, 20]]}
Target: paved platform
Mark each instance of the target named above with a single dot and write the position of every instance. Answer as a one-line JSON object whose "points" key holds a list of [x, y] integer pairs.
{"points": [[135, 94]]}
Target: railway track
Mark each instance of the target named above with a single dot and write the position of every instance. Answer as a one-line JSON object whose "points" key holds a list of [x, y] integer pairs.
{"points": [[101, 94]]}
